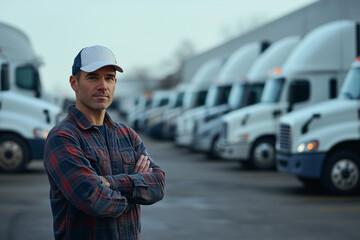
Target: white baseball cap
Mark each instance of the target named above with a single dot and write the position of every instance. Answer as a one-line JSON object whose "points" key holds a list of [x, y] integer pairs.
{"points": [[92, 58]]}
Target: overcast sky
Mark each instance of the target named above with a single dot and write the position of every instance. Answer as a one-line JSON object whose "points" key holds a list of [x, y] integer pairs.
{"points": [[142, 34]]}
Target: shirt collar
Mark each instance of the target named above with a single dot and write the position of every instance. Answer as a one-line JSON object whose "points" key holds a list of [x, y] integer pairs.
{"points": [[84, 123]]}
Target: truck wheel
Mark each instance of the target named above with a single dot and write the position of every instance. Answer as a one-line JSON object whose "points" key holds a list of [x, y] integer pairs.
{"points": [[341, 173], [213, 153], [14, 153], [263, 154]]}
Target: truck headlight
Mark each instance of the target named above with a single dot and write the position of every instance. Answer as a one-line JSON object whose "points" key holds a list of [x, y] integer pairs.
{"points": [[40, 133], [238, 139], [310, 146]]}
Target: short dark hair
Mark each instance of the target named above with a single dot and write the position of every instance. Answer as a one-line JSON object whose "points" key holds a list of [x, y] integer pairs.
{"points": [[77, 75]]}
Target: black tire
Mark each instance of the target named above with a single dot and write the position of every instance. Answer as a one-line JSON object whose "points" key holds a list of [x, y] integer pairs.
{"points": [[341, 174], [213, 153], [14, 153], [262, 155]]}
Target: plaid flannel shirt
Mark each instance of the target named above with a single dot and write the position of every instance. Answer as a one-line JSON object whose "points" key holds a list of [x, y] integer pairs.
{"points": [[76, 154]]}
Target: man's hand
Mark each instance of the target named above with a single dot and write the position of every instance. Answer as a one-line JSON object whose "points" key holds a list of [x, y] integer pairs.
{"points": [[104, 181], [143, 165]]}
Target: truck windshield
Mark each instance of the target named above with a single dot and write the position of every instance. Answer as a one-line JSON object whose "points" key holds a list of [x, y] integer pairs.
{"points": [[143, 103], [217, 95], [159, 100], [237, 94], [272, 90], [179, 99], [194, 98], [255, 93], [351, 87]]}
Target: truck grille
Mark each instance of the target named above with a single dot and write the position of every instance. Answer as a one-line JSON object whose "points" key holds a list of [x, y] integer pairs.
{"points": [[285, 138]]}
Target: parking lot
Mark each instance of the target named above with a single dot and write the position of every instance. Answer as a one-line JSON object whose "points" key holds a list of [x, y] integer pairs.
{"points": [[205, 199]]}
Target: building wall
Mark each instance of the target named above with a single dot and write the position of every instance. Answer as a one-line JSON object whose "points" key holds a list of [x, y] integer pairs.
{"points": [[297, 23]]}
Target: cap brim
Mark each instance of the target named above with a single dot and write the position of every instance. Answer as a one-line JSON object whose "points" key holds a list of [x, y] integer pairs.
{"points": [[95, 66]]}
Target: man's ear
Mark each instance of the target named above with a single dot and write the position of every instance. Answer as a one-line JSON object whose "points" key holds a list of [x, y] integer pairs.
{"points": [[74, 83]]}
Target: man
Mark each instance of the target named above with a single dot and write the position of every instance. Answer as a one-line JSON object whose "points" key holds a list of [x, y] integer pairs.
{"points": [[99, 171]]}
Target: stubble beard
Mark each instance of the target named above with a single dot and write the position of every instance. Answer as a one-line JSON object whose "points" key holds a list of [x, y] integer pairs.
{"points": [[94, 106]]}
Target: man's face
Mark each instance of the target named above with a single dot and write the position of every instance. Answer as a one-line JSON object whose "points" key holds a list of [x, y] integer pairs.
{"points": [[94, 90]]}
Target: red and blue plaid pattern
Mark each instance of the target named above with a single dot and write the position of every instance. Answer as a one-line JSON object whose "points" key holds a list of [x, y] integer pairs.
{"points": [[76, 154]]}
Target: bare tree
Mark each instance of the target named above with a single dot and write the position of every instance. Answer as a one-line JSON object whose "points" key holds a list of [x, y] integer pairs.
{"points": [[141, 74], [168, 71], [242, 26], [184, 51], [175, 63]]}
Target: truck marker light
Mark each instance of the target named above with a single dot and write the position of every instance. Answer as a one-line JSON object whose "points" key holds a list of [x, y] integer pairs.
{"points": [[275, 71], [357, 59], [310, 146], [245, 137]]}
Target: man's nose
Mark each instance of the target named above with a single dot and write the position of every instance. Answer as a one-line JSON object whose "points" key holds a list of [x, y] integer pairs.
{"points": [[102, 83]]}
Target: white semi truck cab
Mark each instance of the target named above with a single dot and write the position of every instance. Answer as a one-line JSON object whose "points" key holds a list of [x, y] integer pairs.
{"points": [[155, 118], [194, 101], [320, 144], [160, 101], [313, 73], [234, 70], [242, 94], [25, 118]]}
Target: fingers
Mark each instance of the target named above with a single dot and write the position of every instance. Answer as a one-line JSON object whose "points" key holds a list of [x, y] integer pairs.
{"points": [[104, 181], [139, 163], [142, 165]]}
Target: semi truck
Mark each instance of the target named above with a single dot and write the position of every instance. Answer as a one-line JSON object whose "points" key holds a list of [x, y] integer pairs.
{"points": [[25, 117], [208, 71], [234, 70], [194, 96], [159, 102], [313, 73], [320, 144], [155, 121], [142, 104], [243, 93]]}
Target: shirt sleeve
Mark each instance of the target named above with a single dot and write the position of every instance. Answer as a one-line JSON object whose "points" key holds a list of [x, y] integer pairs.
{"points": [[73, 175], [141, 188]]}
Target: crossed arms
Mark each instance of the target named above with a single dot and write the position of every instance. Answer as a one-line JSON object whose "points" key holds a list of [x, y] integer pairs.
{"points": [[141, 166], [72, 177]]}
